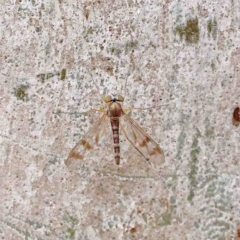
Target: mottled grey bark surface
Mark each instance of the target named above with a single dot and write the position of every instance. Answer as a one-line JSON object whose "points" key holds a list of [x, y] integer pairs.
{"points": [[182, 53]]}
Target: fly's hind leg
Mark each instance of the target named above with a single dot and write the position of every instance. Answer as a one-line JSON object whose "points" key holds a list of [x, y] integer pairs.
{"points": [[125, 134]]}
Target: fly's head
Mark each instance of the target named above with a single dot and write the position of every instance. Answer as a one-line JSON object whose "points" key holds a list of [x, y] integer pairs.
{"points": [[114, 105], [114, 98]]}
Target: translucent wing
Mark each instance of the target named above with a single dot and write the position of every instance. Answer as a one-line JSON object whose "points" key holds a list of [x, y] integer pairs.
{"points": [[93, 137], [140, 140]]}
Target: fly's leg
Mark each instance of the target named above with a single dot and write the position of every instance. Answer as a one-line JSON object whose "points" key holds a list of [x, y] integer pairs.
{"points": [[125, 134], [80, 113], [146, 108]]}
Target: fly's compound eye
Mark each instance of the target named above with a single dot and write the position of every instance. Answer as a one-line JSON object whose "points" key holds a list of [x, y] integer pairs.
{"points": [[108, 99], [120, 98]]}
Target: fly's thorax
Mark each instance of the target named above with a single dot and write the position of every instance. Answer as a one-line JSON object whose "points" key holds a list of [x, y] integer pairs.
{"points": [[114, 109]]}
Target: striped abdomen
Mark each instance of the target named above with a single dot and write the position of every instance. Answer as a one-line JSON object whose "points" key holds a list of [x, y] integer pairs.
{"points": [[115, 130]]}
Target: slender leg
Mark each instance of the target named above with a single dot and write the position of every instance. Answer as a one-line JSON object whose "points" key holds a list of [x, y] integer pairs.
{"points": [[157, 106], [125, 134], [125, 87], [79, 113], [97, 110]]}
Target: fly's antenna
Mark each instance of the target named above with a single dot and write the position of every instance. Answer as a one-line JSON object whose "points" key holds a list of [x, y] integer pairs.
{"points": [[114, 91], [95, 84], [126, 81], [125, 86]]}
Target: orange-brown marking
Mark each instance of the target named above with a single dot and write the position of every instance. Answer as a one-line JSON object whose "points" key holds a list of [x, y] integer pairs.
{"points": [[144, 142], [97, 139], [133, 230], [86, 145], [155, 151], [75, 155]]}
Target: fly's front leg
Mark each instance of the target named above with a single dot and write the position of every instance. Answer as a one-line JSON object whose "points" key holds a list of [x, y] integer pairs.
{"points": [[97, 110], [82, 113], [146, 108]]}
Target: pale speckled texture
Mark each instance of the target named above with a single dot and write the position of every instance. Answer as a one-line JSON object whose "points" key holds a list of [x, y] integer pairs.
{"points": [[186, 53]]}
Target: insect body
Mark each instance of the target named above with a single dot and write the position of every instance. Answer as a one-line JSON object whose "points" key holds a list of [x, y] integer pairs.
{"points": [[119, 120], [115, 112]]}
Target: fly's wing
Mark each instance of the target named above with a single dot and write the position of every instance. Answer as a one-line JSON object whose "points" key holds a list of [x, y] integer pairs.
{"points": [[92, 138], [140, 140]]}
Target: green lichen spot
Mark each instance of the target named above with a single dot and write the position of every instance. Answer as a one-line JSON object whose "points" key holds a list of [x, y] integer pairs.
{"points": [[209, 132], [166, 219], [87, 33], [20, 92], [73, 220], [191, 195], [194, 154], [90, 30], [190, 31], [212, 28], [181, 141], [193, 166], [37, 225], [45, 76], [71, 233], [130, 46], [211, 189], [63, 74], [213, 66], [115, 51]]}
